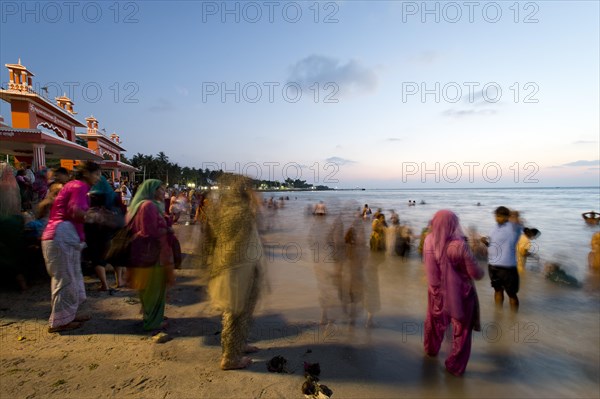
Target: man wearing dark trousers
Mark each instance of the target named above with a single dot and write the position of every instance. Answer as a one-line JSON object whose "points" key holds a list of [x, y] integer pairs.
{"points": [[502, 259]]}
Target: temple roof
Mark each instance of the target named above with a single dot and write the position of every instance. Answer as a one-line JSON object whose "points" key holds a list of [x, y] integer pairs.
{"points": [[7, 95], [18, 142], [101, 136], [19, 67]]}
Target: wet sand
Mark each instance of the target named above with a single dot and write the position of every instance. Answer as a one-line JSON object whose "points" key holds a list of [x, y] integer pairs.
{"points": [[549, 349]]}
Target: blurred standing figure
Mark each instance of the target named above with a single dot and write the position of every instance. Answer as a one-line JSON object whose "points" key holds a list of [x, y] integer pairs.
{"points": [[403, 242], [477, 247], [200, 216], [328, 263], [178, 206], [377, 240], [320, 209], [59, 176], [524, 247], [147, 216], [376, 258], [11, 227], [502, 256], [424, 233], [353, 275], [594, 255], [125, 195], [394, 218], [236, 269], [40, 186], [366, 211], [193, 201], [105, 216], [25, 189], [29, 173], [62, 242], [452, 298], [45, 205]]}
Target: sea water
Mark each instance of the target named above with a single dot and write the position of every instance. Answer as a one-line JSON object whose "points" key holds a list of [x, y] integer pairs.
{"points": [[548, 349], [556, 212]]}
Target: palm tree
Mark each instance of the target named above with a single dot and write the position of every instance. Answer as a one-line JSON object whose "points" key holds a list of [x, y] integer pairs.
{"points": [[162, 166], [149, 165]]}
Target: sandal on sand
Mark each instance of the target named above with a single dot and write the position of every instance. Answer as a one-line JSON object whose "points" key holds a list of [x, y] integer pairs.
{"points": [[236, 365], [71, 326]]}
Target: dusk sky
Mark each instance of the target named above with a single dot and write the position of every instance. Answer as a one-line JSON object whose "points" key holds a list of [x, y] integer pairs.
{"points": [[363, 93]]}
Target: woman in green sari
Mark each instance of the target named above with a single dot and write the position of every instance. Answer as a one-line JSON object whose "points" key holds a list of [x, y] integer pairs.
{"points": [[147, 216]]}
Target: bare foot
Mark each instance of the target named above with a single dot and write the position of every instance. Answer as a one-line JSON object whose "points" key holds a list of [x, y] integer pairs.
{"points": [[235, 364], [71, 326], [250, 349]]}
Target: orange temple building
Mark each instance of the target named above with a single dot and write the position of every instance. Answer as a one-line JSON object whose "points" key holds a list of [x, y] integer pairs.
{"points": [[109, 148], [43, 130]]}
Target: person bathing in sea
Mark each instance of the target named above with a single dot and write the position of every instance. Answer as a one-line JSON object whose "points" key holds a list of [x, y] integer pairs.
{"points": [[320, 209], [592, 217]]}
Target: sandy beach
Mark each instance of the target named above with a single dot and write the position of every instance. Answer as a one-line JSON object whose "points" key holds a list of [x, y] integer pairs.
{"points": [[549, 349]]}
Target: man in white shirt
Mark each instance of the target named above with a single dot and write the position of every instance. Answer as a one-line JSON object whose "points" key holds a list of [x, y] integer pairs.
{"points": [[502, 259]]}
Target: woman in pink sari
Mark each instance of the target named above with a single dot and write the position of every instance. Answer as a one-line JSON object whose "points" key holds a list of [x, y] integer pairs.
{"points": [[62, 242], [452, 298]]}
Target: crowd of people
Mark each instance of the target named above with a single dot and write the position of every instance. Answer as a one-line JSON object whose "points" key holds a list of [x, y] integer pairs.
{"points": [[67, 224], [81, 219], [351, 273], [452, 261]]}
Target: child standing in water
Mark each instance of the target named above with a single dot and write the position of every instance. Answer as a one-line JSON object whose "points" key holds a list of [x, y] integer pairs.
{"points": [[524, 247]]}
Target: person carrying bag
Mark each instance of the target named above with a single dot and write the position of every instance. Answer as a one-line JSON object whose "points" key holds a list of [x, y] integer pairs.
{"points": [[150, 268]]}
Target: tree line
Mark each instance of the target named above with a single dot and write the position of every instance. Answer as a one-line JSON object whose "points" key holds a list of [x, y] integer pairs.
{"points": [[160, 167]]}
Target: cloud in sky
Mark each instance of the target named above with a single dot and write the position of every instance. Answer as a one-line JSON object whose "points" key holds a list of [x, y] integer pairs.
{"points": [[490, 96], [393, 139], [182, 90], [459, 113], [426, 57], [163, 105], [583, 163], [340, 161], [351, 77], [585, 142], [474, 98]]}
